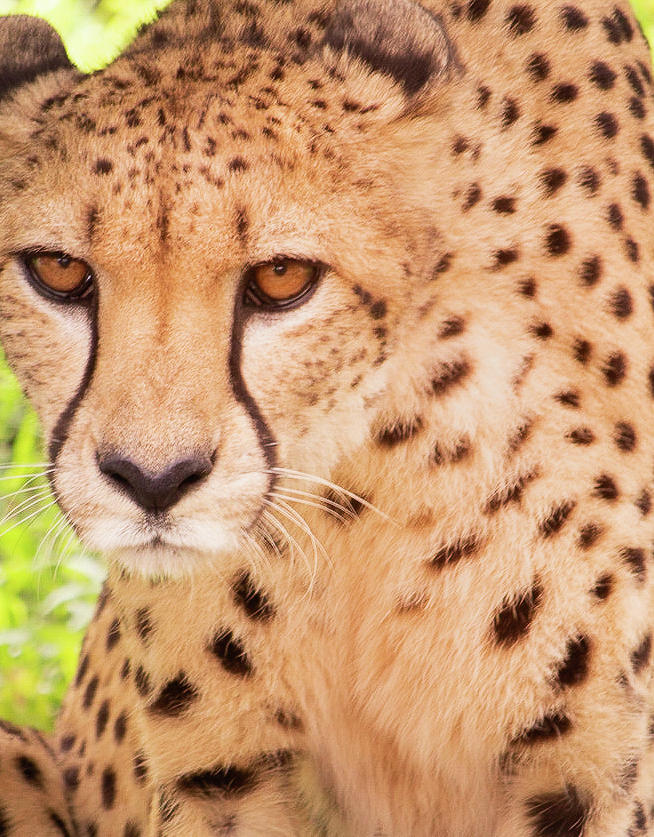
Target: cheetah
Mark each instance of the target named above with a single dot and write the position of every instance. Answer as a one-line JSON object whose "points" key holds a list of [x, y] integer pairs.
{"points": [[338, 320]]}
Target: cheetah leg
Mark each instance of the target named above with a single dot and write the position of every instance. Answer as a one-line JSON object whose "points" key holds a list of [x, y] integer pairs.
{"points": [[33, 798]]}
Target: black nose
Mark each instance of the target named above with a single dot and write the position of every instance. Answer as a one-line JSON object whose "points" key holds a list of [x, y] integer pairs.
{"points": [[155, 491]]}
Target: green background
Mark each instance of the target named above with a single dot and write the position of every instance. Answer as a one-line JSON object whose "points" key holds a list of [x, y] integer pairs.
{"points": [[48, 582]]}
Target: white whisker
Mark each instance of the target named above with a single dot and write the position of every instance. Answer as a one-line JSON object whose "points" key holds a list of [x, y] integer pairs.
{"points": [[301, 475], [320, 505]]}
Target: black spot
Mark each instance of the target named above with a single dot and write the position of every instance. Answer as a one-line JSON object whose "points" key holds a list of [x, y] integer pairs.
{"points": [[569, 398], [527, 287], [231, 653], [564, 93], [621, 303], [607, 124], [113, 634], [237, 164], [473, 196], [602, 75], [635, 82], [589, 534], [504, 205], [30, 771], [92, 220], [108, 788], [556, 518], [640, 819], [71, 777], [242, 223], [120, 727], [551, 726], [640, 655], [477, 9], [591, 270], [452, 327], [455, 551], [508, 494], [131, 830], [615, 216], [573, 18], [459, 145], [623, 23], [637, 108], [582, 350], [400, 431], [101, 719], [89, 694], [558, 814], [581, 436], [628, 774], [603, 586], [175, 697], [140, 766], [103, 166], [625, 436], [521, 19], [573, 669], [557, 240], [504, 257], [378, 310], [552, 180], [229, 780], [513, 620], [443, 265], [589, 180], [449, 375], [144, 623], [543, 133], [67, 743], [510, 113], [633, 252], [253, 601], [615, 369], [142, 681], [605, 488], [644, 502], [82, 669], [635, 557], [483, 96], [541, 330], [538, 67], [647, 147]]}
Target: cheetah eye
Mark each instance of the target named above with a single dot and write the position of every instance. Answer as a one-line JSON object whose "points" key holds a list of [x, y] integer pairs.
{"points": [[59, 276], [281, 283]]}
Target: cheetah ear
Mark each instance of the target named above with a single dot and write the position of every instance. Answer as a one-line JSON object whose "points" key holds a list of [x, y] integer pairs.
{"points": [[29, 47], [398, 38]]}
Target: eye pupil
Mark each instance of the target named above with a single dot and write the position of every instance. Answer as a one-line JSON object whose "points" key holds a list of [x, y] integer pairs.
{"points": [[279, 269], [64, 261]]}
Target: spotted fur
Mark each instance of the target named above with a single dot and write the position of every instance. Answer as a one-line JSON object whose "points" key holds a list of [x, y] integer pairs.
{"points": [[408, 589]]}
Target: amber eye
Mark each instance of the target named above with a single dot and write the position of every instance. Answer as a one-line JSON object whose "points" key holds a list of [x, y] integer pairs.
{"points": [[280, 283], [60, 276]]}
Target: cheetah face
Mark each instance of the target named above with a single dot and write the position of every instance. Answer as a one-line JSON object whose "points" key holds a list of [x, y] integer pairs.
{"points": [[179, 293]]}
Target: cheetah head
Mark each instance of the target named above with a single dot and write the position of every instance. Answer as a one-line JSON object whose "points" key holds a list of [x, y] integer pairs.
{"points": [[213, 256]]}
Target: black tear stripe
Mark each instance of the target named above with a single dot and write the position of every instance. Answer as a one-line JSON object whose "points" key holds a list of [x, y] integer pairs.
{"points": [[267, 441], [60, 433]]}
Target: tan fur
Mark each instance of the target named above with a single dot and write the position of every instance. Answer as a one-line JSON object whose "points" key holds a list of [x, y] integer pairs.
{"points": [[465, 654]]}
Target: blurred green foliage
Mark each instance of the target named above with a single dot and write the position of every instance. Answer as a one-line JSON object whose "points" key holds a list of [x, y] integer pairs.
{"points": [[48, 583]]}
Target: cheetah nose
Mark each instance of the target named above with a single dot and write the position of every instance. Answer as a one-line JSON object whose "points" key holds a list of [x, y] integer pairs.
{"points": [[155, 492]]}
